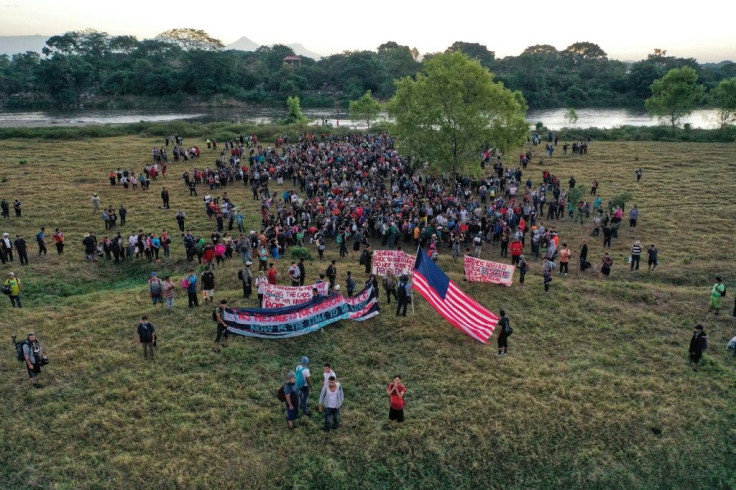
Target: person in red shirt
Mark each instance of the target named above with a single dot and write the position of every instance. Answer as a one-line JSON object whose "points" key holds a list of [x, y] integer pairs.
{"points": [[517, 248], [272, 274], [396, 392]]}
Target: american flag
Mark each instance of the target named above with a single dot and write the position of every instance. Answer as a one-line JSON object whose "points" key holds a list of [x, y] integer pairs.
{"points": [[455, 305]]}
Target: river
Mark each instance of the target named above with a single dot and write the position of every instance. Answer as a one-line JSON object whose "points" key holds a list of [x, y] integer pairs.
{"points": [[552, 118]]}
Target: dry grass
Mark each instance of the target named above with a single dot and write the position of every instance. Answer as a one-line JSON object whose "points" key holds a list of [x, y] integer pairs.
{"points": [[594, 365]]}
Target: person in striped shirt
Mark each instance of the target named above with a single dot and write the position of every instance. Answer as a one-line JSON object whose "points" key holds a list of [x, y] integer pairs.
{"points": [[635, 255]]}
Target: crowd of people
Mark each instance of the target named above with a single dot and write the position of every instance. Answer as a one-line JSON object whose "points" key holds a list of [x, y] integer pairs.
{"points": [[348, 194]]}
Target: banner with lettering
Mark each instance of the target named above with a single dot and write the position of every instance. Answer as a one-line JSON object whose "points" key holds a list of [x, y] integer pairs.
{"points": [[275, 296], [395, 261], [477, 270], [295, 320]]}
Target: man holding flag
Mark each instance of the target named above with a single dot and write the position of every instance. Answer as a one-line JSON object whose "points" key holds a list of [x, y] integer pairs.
{"points": [[452, 303]]}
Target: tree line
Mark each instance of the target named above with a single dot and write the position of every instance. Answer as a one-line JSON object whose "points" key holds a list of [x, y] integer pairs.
{"points": [[85, 67]]}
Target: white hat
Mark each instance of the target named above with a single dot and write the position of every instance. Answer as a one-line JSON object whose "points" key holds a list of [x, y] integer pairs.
{"points": [[337, 287], [248, 263]]}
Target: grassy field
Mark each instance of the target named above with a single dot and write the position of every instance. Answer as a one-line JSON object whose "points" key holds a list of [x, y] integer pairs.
{"points": [[596, 391]]}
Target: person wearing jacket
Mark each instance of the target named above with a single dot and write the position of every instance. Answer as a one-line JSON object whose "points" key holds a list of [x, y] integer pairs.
{"points": [[331, 398], [698, 343], [13, 282]]}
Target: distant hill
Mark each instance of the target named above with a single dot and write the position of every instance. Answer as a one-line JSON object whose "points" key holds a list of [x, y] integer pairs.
{"points": [[245, 44], [11, 45]]}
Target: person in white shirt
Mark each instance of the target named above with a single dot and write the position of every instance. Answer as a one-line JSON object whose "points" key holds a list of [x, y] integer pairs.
{"points": [[331, 398], [328, 372]]}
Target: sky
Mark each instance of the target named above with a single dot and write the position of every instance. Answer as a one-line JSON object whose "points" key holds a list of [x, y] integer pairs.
{"points": [[627, 30]]}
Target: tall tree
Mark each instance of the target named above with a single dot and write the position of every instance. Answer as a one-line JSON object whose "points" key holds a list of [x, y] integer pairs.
{"points": [[190, 39], [475, 51], [452, 110], [723, 98], [365, 109], [675, 95]]}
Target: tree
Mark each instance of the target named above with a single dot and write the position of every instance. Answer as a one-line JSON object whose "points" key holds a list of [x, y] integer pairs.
{"points": [[723, 98], [190, 39], [571, 116], [365, 108], [474, 51], [295, 116], [452, 110], [675, 95]]}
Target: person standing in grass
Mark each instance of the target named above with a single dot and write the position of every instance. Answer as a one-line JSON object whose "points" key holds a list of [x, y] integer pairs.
{"points": [[15, 286], [291, 392], [146, 335], [332, 398], [653, 260], [606, 264], [191, 285], [208, 285], [155, 288], [718, 292], [169, 290], [506, 331], [33, 354], [698, 343], [636, 255], [396, 393], [221, 325], [304, 383]]}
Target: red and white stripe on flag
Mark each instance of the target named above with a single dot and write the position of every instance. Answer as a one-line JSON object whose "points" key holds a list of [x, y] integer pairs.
{"points": [[459, 309]]}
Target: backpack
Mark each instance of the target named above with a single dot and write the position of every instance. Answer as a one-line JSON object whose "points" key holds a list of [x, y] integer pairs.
{"points": [[156, 286], [723, 294], [214, 314], [185, 283], [363, 257], [19, 348], [705, 343], [281, 395], [401, 292]]}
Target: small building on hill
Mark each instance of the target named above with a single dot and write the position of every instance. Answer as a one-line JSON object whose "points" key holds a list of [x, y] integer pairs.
{"points": [[292, 61]]}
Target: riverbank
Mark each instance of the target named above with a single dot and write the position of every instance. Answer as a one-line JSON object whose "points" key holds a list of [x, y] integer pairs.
{"points": [[268, 131]]}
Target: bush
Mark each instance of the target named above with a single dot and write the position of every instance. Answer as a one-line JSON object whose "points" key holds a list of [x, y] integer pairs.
{"points": [[619, 200], [298, 253], [22, 161]]}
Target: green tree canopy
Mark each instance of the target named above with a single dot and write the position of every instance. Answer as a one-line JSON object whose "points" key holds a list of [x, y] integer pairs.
{"points": [[723, 98], [452, 110], [365, 108], [675, 95]]}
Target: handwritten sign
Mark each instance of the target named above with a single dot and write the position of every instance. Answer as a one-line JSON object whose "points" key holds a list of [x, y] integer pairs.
{"points": [[275, 296], [396, 261], [477, 270]]}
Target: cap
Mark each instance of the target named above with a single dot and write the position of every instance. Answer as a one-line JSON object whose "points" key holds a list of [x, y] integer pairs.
{"points": [[305, 360], [153, 274], [291, 374], [11, 274], [31, 333], [248, 263], [337, 287]]}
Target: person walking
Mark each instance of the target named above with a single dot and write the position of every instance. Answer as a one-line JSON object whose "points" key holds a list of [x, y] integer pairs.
{"points": [[59, 241], [180, 219], [294, 274], [506, 331], [208, 285], [389, 284], [165, 198], [222, 333], [652, 260], [33, 356], [584, 256], [716, 294], [291, 394], [155, 288], [146, 337], [332, 398], [191, 284], [565, 255], [21, 247], [523, 269], [41, 241], [304, 383], [246, 278], [698, 344], [261, 282], [396, 394], [403, 292], [331, 274], [14, 287], [606, 264], [636, 249], [302, 271]]}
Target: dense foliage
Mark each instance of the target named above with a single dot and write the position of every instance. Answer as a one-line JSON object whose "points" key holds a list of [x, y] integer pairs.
{"points": [[89, 67]]}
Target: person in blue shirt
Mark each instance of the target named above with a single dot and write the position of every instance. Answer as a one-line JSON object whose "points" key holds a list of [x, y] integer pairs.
{"points": [[191, 285]]}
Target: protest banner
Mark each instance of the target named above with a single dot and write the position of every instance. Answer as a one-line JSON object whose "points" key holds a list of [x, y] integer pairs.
{"points": [[300, 319], [477, 270], [395, 261], [275, 296]]}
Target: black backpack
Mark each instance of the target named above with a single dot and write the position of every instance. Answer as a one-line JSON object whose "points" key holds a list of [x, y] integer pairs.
{"points": [[402, 293], [214, 314], [19, 348], [281, 395]]}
